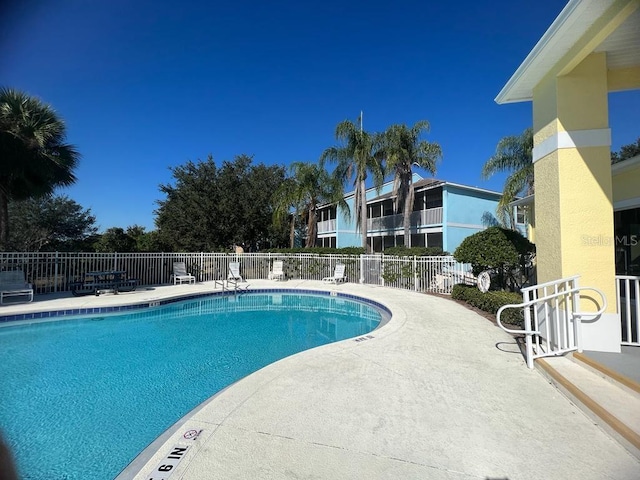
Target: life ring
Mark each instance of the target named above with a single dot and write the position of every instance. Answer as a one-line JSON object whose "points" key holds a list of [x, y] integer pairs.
{"points": [[484, 281]]}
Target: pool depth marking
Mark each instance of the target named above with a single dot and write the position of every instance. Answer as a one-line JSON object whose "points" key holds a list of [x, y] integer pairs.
{"points": [[165, 469]]}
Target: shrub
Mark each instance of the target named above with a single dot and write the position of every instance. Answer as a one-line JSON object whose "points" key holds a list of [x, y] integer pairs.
{"points": [[495, 248], [319, 250], [415, 251], [491, 302]]}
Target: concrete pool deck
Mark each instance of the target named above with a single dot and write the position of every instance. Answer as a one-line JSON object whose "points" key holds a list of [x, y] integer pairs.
{"points": [[438, 392]]}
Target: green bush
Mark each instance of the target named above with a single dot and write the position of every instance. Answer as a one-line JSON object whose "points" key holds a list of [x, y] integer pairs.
{"points": [[495, 248], [491, 302], [415, 251], [319, 250]]}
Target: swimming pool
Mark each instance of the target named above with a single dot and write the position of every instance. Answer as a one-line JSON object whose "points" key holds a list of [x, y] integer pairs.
{"points": [[80, 398]]}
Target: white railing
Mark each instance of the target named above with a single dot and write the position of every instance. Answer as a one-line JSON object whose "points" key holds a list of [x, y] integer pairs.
{"points": [[431, 216], [54, 271], [552, 317], [327, 226], [628, 296]]}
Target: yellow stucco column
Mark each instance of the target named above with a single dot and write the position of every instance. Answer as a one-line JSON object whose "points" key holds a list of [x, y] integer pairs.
{"points": [[573, 196]]}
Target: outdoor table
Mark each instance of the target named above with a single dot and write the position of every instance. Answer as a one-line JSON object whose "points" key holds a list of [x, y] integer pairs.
{"points": [[99, 282]]}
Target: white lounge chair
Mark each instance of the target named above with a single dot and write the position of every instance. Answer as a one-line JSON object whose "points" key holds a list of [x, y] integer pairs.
{"points": [[180, 274], [338, 275], [277, 271], [234, 272], [13, 284]]}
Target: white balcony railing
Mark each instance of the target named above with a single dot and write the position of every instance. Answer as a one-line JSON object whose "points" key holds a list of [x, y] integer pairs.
{"points": [[420, 218], [327, 226]]}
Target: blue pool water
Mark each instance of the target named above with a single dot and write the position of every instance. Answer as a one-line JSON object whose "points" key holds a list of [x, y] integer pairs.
{"points": [[80, 398]]}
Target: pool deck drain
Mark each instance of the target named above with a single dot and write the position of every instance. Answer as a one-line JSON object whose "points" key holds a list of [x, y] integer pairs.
{"points": [[438, 392]]}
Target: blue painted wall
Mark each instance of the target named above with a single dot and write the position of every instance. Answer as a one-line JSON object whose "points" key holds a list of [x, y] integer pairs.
{"points": [[464, 210]]}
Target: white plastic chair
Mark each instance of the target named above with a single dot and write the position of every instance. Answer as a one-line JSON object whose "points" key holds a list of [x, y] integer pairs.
{"points": [[234, 272], [277, 272], [338, 275], [180, 274]]}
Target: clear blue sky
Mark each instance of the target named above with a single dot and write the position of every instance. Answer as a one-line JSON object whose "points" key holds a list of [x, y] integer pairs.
{"points": [[145, 85]]}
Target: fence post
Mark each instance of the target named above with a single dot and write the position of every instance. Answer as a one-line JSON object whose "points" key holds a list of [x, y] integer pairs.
{"points": [[361, 268], [415, 273], [55, 276]]}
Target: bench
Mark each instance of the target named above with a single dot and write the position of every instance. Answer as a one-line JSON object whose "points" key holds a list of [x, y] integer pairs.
{"points": [[13, 284]]}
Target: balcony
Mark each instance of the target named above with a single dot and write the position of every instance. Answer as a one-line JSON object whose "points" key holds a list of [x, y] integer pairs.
{"points": [[327, 226], [420, 218]]}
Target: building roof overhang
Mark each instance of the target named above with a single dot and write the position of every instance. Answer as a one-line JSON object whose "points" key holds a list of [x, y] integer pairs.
{"points": [[581, 28]]}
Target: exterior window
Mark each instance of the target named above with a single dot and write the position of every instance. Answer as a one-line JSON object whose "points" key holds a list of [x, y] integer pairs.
{"points": [[377, 244], [434, 239], [434, 198], [417, 240], [418, 203], [376, 210], [399, 240], [388, 242], [521, 216], [388, 207]]}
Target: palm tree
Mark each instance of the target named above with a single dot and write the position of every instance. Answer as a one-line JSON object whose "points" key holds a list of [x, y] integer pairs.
{"points": [[356, 157], [514, 154], [402, 150], [33, 156], [308, 186]]}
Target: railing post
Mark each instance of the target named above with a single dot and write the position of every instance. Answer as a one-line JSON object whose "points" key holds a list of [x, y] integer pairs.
{"points": [[577, 320], [527, 328]]}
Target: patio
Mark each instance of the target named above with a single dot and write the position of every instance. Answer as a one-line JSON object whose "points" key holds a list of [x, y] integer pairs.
{"points": [[438, 392]]}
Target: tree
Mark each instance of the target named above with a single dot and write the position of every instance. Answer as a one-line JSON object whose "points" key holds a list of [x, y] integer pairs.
{"points": [[514, 154], [50, 223], [357, 155], [115, 239], [34, 157], [144, 241], [626, 152], [402, 149], [308, 186], [210, 208], [503, 250]]}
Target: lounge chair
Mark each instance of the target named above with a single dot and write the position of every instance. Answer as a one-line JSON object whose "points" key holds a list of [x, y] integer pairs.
{"points": [[13, 284], [338, 275], [234, 272], [277, 272], [180, 274]]}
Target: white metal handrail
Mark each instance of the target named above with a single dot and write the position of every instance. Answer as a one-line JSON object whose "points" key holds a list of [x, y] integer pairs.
{"points": [[561, 333]]}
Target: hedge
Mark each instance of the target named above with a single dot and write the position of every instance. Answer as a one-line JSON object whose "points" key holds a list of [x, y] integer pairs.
{"points": [[490, 302], [402, 251], [318, 250]]}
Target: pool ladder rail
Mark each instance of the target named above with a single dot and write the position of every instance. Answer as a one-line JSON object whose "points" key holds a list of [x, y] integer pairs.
{"points": [[232, 285]]}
